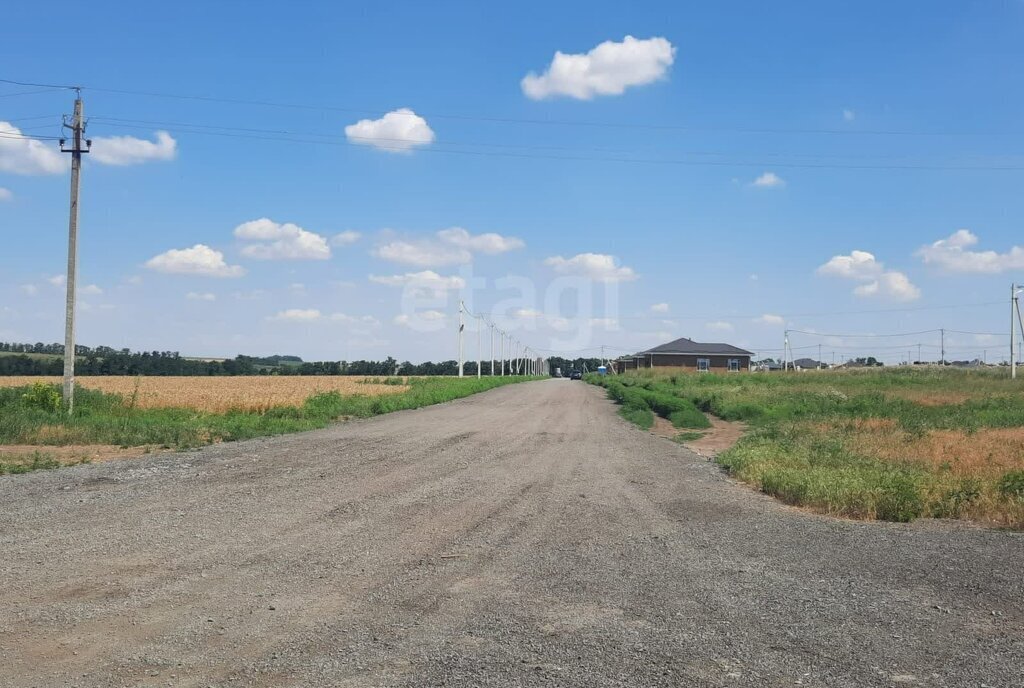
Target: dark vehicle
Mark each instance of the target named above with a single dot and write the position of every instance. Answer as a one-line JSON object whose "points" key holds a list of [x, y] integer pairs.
{"points": [[575, 375]]}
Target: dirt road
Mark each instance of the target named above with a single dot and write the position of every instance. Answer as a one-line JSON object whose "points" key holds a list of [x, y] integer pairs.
{"points": [[522, 537]]}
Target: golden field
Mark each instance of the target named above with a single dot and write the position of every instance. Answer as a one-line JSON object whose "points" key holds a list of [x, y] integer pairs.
{"points": [[218, 394]]}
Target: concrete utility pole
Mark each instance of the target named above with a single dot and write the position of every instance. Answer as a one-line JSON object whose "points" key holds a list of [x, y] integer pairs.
{"points": [[943, 347], [462, 327], [492, 349], [1015, 291], [77, 128], [478, 350]]}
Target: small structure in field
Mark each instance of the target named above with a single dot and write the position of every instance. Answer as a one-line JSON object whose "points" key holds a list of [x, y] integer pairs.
{"points": [[688, 354]]}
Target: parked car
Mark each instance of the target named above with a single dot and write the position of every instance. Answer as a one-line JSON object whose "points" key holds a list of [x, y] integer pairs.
{"points": [[575, 375]]}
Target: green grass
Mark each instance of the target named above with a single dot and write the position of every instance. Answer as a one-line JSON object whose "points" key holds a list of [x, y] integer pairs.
{"points": [[850, 443], [34, 461], [106, 419]]}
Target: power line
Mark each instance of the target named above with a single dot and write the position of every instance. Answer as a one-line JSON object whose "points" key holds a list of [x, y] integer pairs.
{"points": [[513, 120], [403, 145], [31, 84]]}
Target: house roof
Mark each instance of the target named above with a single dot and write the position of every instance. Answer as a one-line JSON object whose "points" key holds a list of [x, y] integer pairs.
{"points": [[688, 346]]}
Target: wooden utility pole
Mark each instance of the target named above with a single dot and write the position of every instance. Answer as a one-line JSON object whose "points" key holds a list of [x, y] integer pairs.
{"points": [[78, 146]]}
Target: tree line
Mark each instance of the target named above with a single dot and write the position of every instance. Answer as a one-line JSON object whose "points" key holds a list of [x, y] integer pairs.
{"points": [[45, 359]]}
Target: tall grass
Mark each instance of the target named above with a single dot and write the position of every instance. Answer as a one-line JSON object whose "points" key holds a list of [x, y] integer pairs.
{"points": [[101, 418], [852, 443]]}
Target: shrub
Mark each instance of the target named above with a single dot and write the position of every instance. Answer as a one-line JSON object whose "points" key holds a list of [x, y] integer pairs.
{"points": [[43, 397]]}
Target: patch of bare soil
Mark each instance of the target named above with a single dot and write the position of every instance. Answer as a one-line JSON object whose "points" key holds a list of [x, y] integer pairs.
{"points": [[74, 453], [722, 435]]}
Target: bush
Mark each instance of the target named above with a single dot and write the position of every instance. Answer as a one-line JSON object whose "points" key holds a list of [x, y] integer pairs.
{"points": [[43, 397]]}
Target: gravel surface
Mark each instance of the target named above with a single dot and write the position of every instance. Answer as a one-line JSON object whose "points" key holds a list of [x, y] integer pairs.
{"points": [[522, 537]]}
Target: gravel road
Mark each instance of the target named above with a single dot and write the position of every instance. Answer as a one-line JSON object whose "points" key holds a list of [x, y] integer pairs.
{"points": [[522, 537]]}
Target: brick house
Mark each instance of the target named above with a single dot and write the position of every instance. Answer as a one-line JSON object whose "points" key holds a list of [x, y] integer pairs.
{"points": [[688, 354]]}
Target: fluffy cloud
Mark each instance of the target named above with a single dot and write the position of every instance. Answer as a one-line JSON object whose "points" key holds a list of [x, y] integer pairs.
{"points": [[91, 290], [719, 326], [58, 280], [606, 323], [198, 260], [200, 296], [594, 266], [29, 289], [5, 194], [345, 238], [427, 280], [488, 243], [608, 69], [364, 320], [862, 266], [128, 150], [857, 265], [953, 254], [894, 285], [770, 319], [659, 308], [424, 253], [769, 180], [21, 154], [399, 131], [281, 241], [453, 246], [849, 115], [297, 315]]}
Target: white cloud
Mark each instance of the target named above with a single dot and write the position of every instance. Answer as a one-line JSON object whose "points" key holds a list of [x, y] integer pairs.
{"points": [[659, 308], [453, 246], [595, 266], [200, 296], [21, 154], [128, 150], [770, 319], [281, 241], [422, 253], [91, 290], [527, 314], [608, 69], [606, 323], [894, 285], [849, 115], [953, 254], [5, 194], [488, 243], [364, 320], [769, 180], [57, 280], [29, 289], [399, 131], [198, 260], [857, 265], [876, 280], [297, 315], [427, 280], [719, 326], [345, 238]]}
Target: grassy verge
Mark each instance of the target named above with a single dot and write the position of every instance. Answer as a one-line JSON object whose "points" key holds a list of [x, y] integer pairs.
{"points": [[32, 415], [893, 444]]}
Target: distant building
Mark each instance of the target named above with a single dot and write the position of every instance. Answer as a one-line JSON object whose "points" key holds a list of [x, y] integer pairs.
{"points": [[690, 355]]}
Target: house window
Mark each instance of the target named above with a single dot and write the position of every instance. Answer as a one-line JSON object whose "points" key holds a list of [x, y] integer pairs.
{"points": [[703, 364], [734, 365]]}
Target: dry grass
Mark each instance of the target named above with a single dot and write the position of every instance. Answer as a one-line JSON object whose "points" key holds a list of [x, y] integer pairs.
{"points": [[218, 394], [987, 452]]}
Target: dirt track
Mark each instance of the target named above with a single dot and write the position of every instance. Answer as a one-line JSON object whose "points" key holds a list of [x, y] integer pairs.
{"points": [[522, 537]]}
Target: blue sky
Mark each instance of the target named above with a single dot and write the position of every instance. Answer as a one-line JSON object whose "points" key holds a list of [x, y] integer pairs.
{"points": [[731, 170]]}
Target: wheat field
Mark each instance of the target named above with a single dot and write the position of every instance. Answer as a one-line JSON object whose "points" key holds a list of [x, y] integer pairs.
{"points": [[217, 394]]}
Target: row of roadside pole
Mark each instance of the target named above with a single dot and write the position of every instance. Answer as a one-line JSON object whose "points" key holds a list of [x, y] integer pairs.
{"points": [[521, 359]]}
